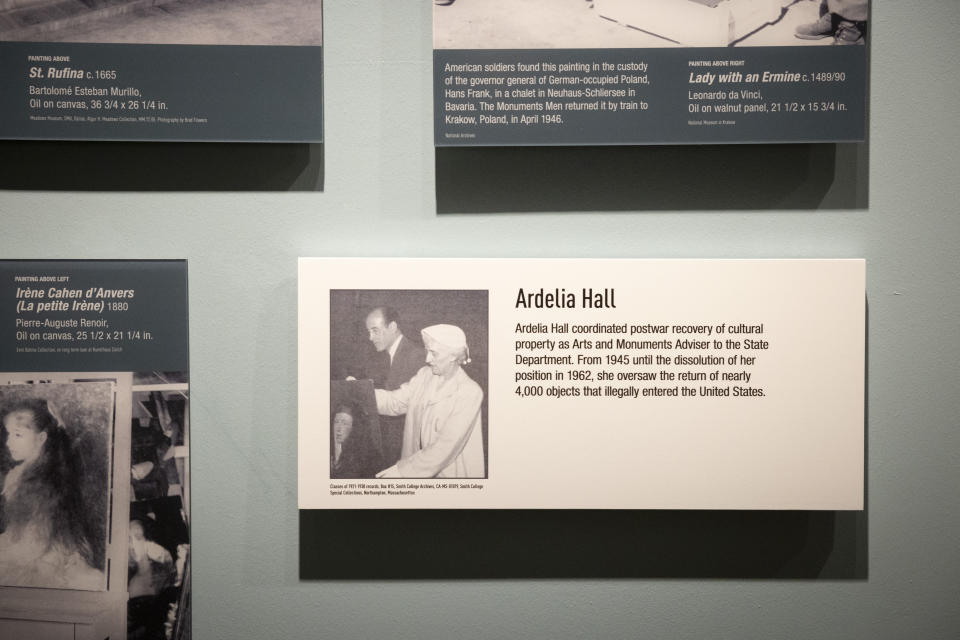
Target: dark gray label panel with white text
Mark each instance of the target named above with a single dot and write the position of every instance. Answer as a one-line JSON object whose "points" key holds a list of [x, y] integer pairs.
{"points": [[75, 91]]}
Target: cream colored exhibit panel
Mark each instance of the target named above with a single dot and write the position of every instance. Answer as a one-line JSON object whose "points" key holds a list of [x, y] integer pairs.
{"points": [[670, 384]]}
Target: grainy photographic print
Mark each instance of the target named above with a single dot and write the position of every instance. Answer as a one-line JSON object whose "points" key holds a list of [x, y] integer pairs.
{"points": [[159, 549], [55, 470], [213, 22], [408, 371], [356, 447], [158, 569], [605, 24]]}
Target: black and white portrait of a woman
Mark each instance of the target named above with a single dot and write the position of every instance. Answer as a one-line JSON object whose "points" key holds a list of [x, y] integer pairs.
{"points": [[54, 484]]}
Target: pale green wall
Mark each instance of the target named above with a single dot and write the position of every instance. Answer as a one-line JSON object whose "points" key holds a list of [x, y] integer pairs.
{"points": [[893, 202]]}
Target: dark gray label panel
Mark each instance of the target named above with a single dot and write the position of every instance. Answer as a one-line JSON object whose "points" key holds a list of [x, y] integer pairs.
{"points": [[97, 315], [649, 96], [226, 93]]}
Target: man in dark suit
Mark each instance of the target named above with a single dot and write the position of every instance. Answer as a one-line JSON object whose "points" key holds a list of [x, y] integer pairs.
{"points": [[397, 359]]}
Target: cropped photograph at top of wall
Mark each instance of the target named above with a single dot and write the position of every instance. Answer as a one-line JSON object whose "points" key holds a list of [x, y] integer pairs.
{"points": [[215, 22], [610, 24]]}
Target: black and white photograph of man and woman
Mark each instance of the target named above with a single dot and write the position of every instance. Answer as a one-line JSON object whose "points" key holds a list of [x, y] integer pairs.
{"points": [[408, 390], [94, 506], [625, 24]]}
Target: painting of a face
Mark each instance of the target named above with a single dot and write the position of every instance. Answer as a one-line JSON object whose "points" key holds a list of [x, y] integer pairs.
{"points": [[342, 426], [56, 507], [23, 440]]}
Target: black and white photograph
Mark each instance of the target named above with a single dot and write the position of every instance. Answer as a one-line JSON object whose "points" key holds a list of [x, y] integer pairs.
{"points": [[408, 372], [159, 548], [158, 536], [55, 471], [95, 476], [616, 24], [211, 22]]}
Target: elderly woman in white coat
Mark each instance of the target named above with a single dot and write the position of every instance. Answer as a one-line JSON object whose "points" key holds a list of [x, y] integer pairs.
{"points": [[442, 437]]}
